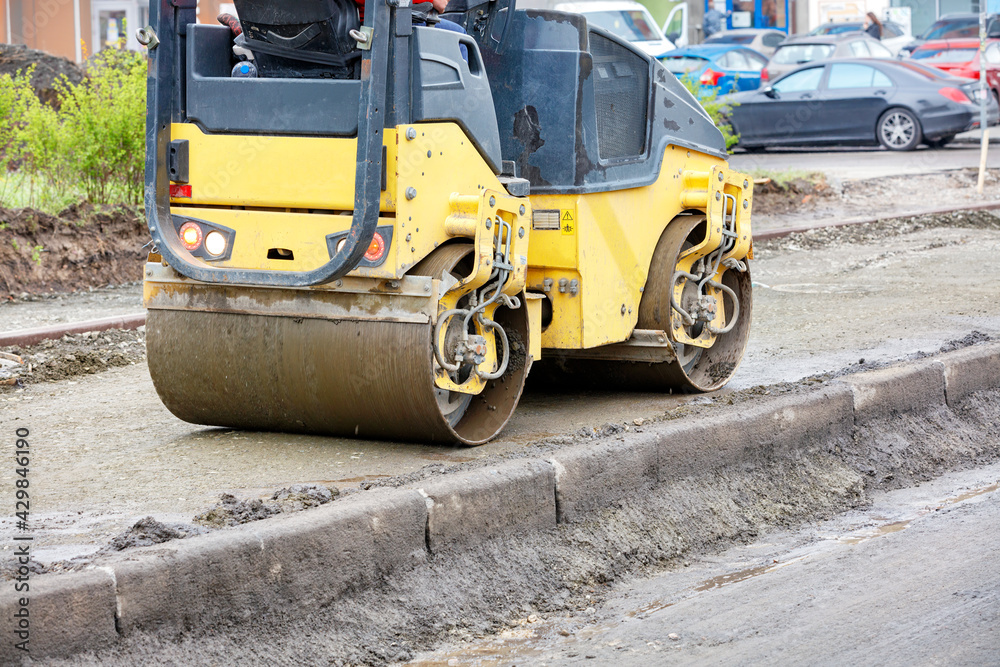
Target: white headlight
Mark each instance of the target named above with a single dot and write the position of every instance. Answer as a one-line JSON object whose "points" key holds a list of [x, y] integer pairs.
{"points": [[215, 244]]}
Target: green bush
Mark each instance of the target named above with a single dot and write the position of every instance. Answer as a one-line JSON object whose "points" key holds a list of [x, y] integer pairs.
{"points": [[714, 106], [15, 96], [92, 147], [103, 122]]}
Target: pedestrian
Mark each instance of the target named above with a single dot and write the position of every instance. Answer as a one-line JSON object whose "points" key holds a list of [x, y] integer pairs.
{"points": [[712, 23], [873, 26]]}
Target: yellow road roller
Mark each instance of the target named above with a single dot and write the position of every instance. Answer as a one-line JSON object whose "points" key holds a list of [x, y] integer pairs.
{"points": [[375, 228]]}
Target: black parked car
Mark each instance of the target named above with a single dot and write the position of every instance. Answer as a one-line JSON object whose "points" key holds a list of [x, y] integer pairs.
{"points": [[857, 102]]}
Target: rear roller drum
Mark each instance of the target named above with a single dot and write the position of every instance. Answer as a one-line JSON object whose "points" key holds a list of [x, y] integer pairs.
{"points": [[365, 379]]}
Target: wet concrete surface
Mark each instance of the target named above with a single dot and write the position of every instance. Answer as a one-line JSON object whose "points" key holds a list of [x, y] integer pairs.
{"points": [[106, 452], [913, 579]]}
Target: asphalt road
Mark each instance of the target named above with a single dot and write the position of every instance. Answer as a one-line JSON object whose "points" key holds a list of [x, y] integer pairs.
{"points": [[874, 162], [914, 580]]}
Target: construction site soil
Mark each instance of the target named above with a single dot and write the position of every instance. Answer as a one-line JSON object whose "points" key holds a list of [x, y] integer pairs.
{"points": [[813, 199], [71, 356], [88, 353], [507, 584], [48, 70], [84, 246]]}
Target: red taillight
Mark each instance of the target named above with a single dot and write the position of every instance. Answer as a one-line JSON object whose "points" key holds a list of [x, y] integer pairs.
{"points": [[955, 95], [180, 191], [764, 76], [710, 77], [191, 235], [376, 248]]}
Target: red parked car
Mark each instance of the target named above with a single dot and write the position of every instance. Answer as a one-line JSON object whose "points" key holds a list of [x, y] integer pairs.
{"points": [[960, 57]]}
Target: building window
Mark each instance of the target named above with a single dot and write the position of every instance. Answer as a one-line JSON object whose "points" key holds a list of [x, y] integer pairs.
{"points": [[114, 22]]}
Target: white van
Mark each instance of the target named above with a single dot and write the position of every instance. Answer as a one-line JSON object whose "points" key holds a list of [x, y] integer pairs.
{"points": [[629, 20]]}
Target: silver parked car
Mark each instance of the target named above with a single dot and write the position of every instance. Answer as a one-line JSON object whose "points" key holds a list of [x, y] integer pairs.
{"points": [[894, 35], [797, 51], [761, 40]]}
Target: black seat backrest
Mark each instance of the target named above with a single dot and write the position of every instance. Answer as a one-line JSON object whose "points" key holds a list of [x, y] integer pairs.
{"points": [[301, 38]]}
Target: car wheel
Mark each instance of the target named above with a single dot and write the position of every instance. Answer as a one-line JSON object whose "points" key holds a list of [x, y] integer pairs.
{"points": [[940, 142], [898, 130]]}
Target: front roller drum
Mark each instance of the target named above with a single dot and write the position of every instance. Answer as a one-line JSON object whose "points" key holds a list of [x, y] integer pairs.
{"points": [[364, 379], [695, 368]]}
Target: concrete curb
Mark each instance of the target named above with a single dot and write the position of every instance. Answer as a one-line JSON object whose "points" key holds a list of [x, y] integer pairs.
{"points": [[479, 505], [309, 559], [969, 370], [67, 613], [891, 391]]}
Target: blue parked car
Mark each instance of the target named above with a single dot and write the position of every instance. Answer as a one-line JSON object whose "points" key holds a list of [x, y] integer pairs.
{"points": [[725, 68]]}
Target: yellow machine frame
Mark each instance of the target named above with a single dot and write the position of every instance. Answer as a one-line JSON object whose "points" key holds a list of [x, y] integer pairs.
{"points": [[589, 253]]}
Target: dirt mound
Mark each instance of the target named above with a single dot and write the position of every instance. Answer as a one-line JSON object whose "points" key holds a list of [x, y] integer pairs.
{"points": [[84, 246], [772, 197], [148, 531], [70, 356], [15, 58], [232, 511]]}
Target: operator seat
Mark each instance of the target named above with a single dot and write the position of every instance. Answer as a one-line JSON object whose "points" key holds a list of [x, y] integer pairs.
{"points": [[301, 38]]}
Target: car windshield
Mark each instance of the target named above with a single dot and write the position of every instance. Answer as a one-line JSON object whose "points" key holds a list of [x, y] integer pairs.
{"points": [[683, 64], [951, 28], [836, 28], [629, 25], [944, 55], [793, 54], [729, 39]]}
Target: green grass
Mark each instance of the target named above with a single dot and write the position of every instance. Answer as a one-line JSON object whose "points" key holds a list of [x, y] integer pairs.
{"points": [[786, 176], [18, 190]]}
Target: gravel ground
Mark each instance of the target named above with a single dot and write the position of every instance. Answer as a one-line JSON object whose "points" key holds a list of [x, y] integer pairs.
{"points": [[29, 311], [71, 356], [836, 200], [112, 455]]}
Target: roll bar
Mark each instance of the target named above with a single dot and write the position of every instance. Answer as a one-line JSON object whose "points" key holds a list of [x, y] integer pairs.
{"points": [[169, 19]]}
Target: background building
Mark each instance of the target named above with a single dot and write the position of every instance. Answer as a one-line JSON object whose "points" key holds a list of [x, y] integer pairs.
{"points": [[76, 29]]}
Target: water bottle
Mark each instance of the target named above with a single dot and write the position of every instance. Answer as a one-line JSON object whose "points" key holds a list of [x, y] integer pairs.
{"points": [[245, 70]]}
